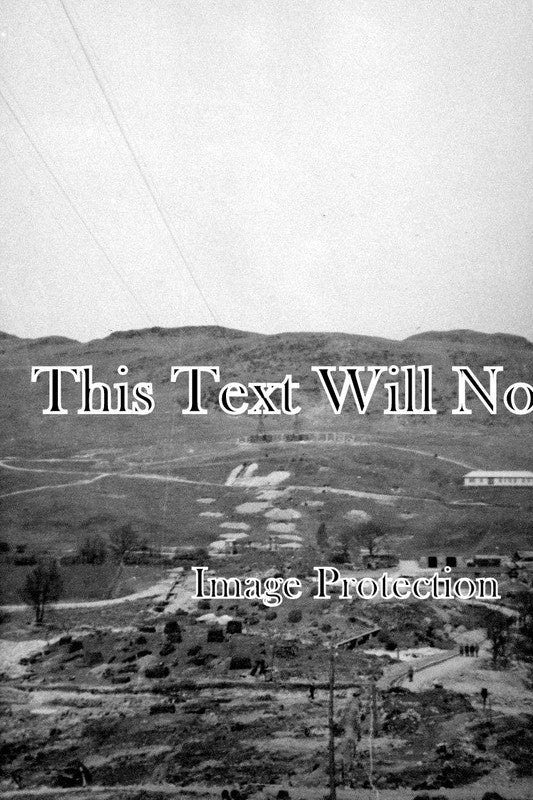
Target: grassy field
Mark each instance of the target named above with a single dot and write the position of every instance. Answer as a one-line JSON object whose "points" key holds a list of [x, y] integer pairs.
{"points": [[423, 492], [85, 581]]}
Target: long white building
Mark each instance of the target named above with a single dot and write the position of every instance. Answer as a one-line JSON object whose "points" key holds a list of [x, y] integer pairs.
{"points": [[504, 477]]}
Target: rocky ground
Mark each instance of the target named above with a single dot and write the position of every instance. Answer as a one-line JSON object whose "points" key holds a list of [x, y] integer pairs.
{"points": [[167, 706]]}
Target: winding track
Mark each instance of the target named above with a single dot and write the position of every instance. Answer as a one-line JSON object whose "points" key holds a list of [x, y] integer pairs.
{"points": [[175, 479]]}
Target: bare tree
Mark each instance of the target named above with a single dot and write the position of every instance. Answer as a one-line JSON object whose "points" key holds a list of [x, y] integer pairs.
{"points": [[123, 540], [43, 586], [369, 535]]}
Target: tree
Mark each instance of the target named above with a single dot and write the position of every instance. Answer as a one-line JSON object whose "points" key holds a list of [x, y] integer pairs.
{"points": [[43, 586], [322, 536], [123, 540], [93, 550], [523, 645], [339, 554], [369, 535], [497, 627]]}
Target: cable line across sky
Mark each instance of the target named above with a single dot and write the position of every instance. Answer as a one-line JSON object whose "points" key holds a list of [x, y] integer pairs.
{"points": [[136, 160]]}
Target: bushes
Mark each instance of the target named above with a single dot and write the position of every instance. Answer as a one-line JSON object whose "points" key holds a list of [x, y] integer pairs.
{"points": [[93, 550], [171, 627], [387, 641], [240, 662], [173, 631], [294, 616], [215, 635], [163, 708]]}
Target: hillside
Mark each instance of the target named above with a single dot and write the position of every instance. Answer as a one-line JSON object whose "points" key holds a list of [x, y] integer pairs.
{"points": [[243, 356], [65, 476]]}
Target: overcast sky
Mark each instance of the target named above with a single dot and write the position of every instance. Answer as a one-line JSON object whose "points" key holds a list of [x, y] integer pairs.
{"points": [[344, 165]]}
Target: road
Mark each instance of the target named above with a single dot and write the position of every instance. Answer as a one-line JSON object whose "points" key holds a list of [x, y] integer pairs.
{"points": [[426, 676]]}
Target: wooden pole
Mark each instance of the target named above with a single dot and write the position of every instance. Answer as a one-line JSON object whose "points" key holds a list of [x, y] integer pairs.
{"points": [[375, 726], [331, 724]]}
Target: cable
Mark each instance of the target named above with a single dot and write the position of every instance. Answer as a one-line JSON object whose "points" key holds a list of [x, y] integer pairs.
{"points": [[112, 135], [71, 202], [137, 161], [46, 203]]}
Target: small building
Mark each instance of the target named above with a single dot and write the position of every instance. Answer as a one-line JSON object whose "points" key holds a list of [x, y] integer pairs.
{"points": [[436, 562], [487, 560], [515, 478]]}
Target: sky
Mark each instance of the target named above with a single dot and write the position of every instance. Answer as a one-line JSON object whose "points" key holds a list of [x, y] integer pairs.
{"points": [[337, 165]]}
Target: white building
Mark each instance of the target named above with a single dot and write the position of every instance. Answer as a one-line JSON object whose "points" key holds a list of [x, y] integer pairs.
{"points": [[481, 477]]}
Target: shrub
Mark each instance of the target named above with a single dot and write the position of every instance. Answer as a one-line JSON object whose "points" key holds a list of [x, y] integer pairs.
{"points": [[93, 550]]}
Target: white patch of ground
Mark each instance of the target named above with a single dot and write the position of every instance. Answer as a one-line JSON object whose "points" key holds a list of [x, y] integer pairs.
{"points": [[408, 566], [508, 691], [357, 515], [272, 494], [251, 508], [283, 514], [291, 545], [236, 526], [241, 476], [11, 652], [289, 537], [233, 537], [312, 503], [205, 500], [232, 477], [407, 654], [210, 618], [210, 514], [281, 527], [218, 546]]}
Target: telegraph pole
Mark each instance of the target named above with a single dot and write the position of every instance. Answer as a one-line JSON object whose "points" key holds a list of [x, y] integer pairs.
{"points": [[331, 723], [375, 713]]}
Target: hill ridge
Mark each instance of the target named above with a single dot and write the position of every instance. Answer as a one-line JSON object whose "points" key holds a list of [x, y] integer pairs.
{"points": [[452, 336]]}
